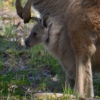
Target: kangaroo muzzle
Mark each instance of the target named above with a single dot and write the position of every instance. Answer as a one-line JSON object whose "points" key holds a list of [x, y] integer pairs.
{"points": [[27, 43]]}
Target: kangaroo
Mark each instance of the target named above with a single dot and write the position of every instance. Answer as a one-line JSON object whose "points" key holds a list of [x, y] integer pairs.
{"points": [[76, 24], [55, 42], [46, 32]]}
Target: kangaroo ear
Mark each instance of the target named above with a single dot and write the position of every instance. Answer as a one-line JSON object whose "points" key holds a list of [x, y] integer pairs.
{"points": [[45, 20], [24, 12], [19, 8]]}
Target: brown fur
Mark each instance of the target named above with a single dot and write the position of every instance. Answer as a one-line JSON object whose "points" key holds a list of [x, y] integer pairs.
{"points": [[74, 37], [55, 45], [24, 12]]}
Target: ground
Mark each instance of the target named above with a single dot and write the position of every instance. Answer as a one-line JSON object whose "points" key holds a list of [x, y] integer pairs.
{"points": [[25, 71]]}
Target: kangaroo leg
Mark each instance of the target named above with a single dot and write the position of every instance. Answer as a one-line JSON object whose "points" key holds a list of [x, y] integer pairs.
{"points": [[83, 48], [83, 83]]}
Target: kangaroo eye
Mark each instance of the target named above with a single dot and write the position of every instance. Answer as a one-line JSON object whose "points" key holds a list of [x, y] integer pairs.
{"points": [[34, 34]]}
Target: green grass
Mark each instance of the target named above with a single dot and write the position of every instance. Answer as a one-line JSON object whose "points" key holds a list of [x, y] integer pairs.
{"points": [[13, 79], [15, 82]]}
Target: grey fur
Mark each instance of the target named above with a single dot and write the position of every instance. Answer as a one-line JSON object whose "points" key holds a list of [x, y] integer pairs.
{"points": [[74, 37]]}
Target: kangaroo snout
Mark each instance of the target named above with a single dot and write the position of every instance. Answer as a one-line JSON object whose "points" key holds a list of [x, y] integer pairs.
{"points": [[27, 43]]}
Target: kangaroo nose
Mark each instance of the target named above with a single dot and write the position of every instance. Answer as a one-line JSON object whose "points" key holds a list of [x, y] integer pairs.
{"points": [[27, 43]]}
